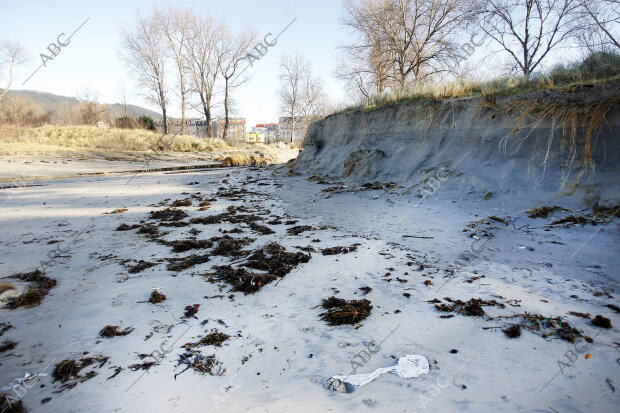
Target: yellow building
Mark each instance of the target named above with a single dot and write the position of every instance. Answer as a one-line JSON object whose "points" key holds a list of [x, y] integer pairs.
{"points": [[255, 137], [235, 131]]}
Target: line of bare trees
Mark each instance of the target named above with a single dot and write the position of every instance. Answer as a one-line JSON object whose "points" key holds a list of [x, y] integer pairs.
{"points": [[408, 42], [301, 92], [202, 53]]}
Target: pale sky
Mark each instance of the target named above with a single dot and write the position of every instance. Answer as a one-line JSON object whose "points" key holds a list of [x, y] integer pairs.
{"points": [[91, 60]]}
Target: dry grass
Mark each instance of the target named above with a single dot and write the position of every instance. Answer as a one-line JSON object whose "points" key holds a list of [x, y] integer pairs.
{"points": [[578, 125], [596, 68], [246, 159], [113, 139]]}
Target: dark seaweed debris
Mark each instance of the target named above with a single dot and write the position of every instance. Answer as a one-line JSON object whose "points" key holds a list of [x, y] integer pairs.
{"points": [[298, 229], [216, 338], [261, 229], [182, 203], [601, 321], [7, 345], [39, 287], [179, 264], [156, 297], [544, 211], [168, 214], [610, 306], [9, 404], [366, 289], [573, 219], [113, 331], [602, 211], [342, 311], [200, 363], [240, 279], [125, 227], [4, 327], [149, 229], [188, 244], [142, 366], [471, 308], [140, 266], [338, 250], [513, 331], [69, 369], [230, 246], [231, 216], [276, 260]]}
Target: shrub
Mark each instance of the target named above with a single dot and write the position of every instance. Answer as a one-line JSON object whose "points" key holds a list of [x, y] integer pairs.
{"points": [[146, 122]]}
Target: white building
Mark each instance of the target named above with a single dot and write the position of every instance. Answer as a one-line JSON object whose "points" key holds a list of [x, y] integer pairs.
{"points": [[270, 130]]}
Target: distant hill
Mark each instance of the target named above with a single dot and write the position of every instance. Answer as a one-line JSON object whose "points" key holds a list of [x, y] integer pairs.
{"points": [[50, 101]]}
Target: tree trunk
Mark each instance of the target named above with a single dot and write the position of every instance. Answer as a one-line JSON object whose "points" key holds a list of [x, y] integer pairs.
{"points": [[207, 119], [163, 111], [183, 93], [225, 109], [292, 128]]}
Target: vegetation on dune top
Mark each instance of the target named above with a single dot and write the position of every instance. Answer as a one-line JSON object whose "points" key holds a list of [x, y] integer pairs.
{"points": [[597, 68]]}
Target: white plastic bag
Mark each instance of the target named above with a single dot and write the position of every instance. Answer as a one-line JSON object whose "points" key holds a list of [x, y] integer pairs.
{"points": [[409, 366]]}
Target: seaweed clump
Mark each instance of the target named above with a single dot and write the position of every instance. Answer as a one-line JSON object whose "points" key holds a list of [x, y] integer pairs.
{"points": [[180, 264], [140, 266], [156, 297], [39, 287], [471, 308], [240, 279], [188, 244], [216, 338], [544, 211], [10, 404], [230, 246], [203, 364], [68, 371], [168, 214], [342, 311], [113, 331], [276, 260], [339, 250]]}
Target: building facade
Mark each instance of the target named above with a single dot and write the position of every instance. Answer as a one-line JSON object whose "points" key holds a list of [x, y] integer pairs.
{"points": [[286, 132], [235, 132], [269, 130], [195, 127], [255, 137]]}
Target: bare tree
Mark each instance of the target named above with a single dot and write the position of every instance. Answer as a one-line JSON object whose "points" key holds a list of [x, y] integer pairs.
{"points": [[599, 27], [314, 97], [365, 67], [89, 111], [11, 53], [529, 29], [204, 55], [294, 71], [234, 51], [23, 111], [401, 41], [175, 28], [300, 93], [146, 54]]}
